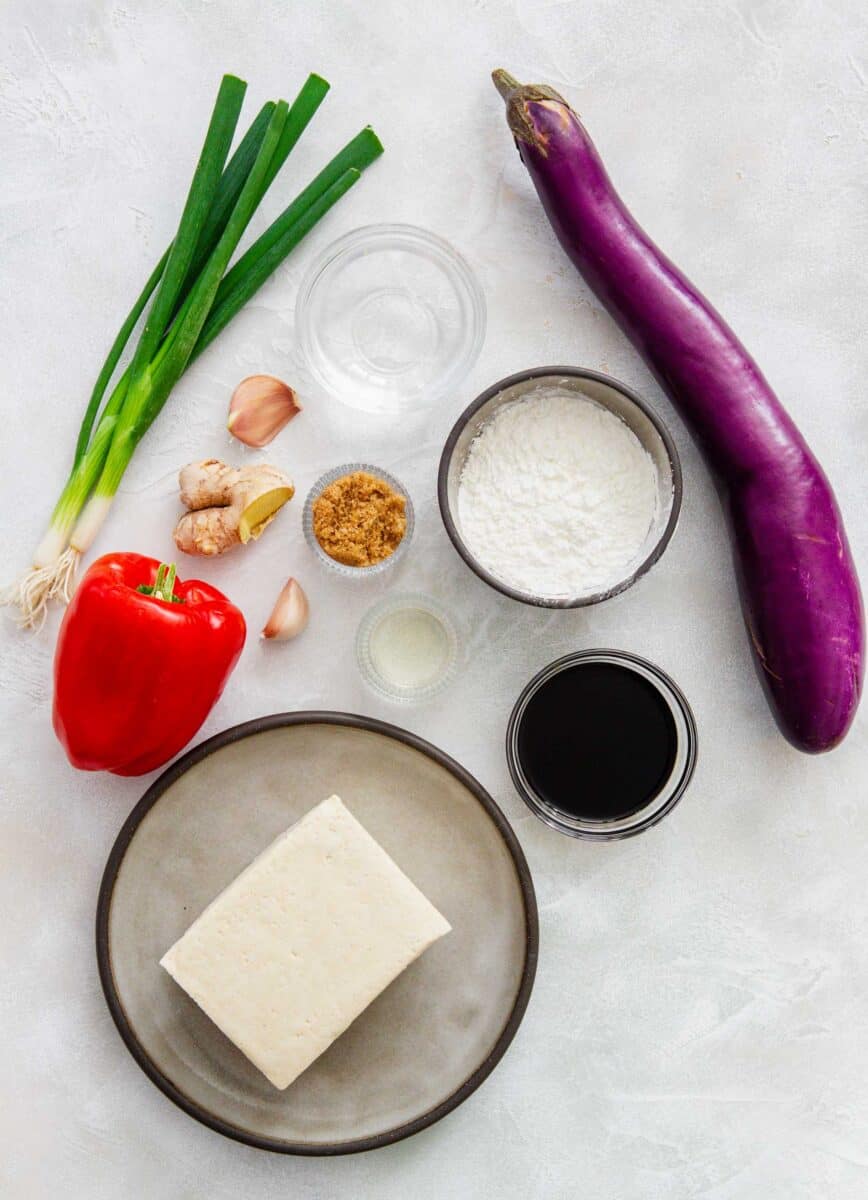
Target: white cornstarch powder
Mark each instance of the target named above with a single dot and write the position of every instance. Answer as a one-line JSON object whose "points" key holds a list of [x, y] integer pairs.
{"points": [[557, 495]]}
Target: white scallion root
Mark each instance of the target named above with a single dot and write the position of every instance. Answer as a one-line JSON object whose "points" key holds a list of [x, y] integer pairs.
{"points": [[35, 589]]}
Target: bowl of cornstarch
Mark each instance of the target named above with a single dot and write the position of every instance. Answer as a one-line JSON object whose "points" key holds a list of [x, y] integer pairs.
{"points": [[560, 487]]}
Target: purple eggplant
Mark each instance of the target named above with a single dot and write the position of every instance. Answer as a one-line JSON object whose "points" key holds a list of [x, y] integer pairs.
{"points": [[799, 588]]}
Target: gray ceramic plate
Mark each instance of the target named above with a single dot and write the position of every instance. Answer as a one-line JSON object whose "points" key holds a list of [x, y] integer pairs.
{"points": [[431, 1038]]}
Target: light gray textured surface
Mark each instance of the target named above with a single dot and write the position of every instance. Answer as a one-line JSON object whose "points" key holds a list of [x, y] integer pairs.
{"points": [[699, 1025]]}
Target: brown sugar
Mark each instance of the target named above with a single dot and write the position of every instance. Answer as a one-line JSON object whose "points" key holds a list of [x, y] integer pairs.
{"points": [[359, 520]]}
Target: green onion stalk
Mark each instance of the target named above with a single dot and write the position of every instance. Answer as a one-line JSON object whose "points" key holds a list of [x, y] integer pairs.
{"points": [[193, 294]]}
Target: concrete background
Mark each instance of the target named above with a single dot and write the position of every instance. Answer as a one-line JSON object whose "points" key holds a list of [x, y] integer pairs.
{"points": [[699, 1026]]}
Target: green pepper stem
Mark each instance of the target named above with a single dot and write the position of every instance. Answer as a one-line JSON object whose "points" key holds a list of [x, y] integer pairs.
{"points": [[167, 591], [163, 587]]}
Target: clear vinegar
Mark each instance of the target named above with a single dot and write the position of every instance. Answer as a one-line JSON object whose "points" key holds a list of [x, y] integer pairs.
{"points": [[409, 647]]}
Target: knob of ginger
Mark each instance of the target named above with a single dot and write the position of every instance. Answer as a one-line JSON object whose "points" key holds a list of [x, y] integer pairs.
{"points": [[229, 506]]}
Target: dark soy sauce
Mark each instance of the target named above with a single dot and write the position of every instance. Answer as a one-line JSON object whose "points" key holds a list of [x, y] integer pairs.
{"points": [[597, 741]]}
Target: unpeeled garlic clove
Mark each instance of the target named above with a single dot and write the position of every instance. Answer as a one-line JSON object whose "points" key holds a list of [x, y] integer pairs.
{"points": [[289, 615], [260, 407]]}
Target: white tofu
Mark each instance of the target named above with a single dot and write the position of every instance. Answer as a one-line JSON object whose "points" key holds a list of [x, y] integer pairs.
{"points": [[290, 953]]}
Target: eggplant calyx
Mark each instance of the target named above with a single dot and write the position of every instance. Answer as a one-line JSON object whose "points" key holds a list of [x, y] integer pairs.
{"points": [[518, 96]]}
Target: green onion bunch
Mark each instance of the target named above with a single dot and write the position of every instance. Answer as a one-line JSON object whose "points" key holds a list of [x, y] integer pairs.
{"points": [[193, 294]]}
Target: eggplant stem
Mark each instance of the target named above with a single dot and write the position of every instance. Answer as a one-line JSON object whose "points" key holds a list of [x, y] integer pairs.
{"points": [[505, 83]]}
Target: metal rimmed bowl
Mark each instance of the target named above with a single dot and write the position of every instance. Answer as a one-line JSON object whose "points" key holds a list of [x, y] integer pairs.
{"points": [[619, 399], [332, 564], [670, 791]]}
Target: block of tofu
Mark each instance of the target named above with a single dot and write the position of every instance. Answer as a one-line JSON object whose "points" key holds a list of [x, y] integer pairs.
{"points": [[301, 942]]}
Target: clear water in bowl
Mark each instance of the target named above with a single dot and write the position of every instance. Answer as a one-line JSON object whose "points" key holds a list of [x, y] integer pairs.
{"points": [[389, 318]]}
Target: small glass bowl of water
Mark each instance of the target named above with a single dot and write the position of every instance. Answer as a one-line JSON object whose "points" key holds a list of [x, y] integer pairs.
{"points": [[407, 647], [389, 318]]}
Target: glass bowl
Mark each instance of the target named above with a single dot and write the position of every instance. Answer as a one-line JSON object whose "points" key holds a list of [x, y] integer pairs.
{"points": [[609, 393], [672, 789], [370, 660], [340, 568], [389, 318]]}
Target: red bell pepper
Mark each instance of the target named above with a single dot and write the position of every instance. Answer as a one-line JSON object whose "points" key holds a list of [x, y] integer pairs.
{"points": [[141, 659]]}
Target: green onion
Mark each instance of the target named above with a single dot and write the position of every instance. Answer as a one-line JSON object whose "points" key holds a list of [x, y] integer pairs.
{"points": [[231, 300], [228, 192], [195, 296], [358, 154], [307, 102], [200, 199], [117, 349], [248, 275]]}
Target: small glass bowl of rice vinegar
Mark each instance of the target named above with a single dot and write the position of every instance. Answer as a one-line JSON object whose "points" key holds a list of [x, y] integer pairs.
{"points": [[407, 647]]}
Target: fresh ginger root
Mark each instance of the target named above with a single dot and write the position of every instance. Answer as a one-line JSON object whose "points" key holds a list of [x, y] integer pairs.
{"points": [[229, 506]]}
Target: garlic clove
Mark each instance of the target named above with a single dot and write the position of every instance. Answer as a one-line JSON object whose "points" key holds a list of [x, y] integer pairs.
{"points": [[289, 615], [260, 407]]}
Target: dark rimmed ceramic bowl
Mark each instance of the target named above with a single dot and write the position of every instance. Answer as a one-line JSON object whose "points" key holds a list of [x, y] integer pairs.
{"points": [[430, 1039], [611, 394], [672, 788]]}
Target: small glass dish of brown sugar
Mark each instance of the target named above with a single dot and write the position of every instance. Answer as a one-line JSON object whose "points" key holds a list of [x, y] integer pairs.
{"points": [[358, 520]]}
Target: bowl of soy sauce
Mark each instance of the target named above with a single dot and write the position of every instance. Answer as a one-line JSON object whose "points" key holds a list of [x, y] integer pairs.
{"points": [[601, 744]]}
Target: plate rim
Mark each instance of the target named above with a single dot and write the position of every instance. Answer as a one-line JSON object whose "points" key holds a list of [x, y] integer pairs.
{"points": [[103, 914]]}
